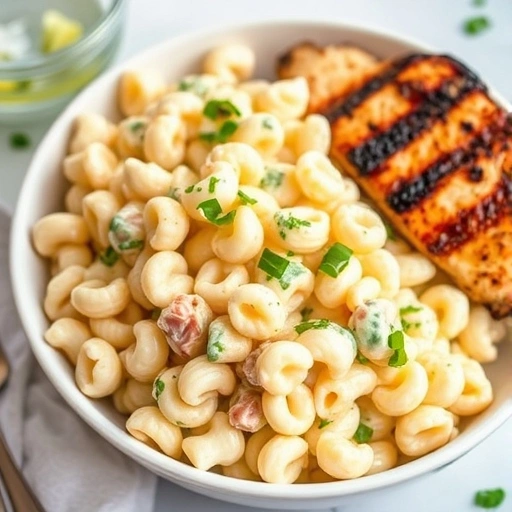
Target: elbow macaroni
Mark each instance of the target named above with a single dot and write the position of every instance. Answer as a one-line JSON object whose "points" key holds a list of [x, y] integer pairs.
{"points": [[192, 281]]}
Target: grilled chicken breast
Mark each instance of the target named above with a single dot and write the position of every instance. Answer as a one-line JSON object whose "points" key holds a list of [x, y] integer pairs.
{"points": [[423, 138]]}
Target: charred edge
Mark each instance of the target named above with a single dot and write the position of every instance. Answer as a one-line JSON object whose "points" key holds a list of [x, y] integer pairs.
{"points": [[349, 104], [474, 220], [434, 105], [287, 58], [499, 309], [411, 193]]}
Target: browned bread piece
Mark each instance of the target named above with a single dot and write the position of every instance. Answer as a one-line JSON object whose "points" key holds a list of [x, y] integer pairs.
{"points": [[331, 71], [425, 140]]}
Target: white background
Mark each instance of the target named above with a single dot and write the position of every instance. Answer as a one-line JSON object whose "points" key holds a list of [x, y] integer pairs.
{"points": [[437, 22]]}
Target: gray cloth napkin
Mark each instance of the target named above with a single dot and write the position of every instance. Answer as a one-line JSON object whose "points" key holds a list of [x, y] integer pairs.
{"points": [[68, 465]]}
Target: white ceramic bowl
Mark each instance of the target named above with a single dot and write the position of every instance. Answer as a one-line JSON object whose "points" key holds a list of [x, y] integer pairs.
{"points": [[43, 192]]}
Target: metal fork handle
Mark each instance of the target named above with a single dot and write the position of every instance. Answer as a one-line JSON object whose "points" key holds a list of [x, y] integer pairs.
{"points": [[20, 494]]}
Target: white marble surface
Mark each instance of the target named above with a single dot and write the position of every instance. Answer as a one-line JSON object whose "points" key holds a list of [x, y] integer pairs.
{"points": [[437, 22]]}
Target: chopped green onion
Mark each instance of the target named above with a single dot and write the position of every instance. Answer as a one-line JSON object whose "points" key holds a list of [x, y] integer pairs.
{"points": [[363, 434], [226, 130], [109, 257], [214, 346], [174, 193], [212, 184], [273, 178], [409, 325], [189, 189], [306, 314], [131, 244], [193, 84], [116, 224], [289, 223], [361, 359], [215, 108], [211, 210], [323, 423], [479, 3], [313, 324], [19, 140], [410, 309], [489, 498], [396, 341], [245, 199], [406, 325], [136, 126], [158, 388], [335, 260], [390, 231], [268, 124], [277, 267], [155, 314], [476, 25]]}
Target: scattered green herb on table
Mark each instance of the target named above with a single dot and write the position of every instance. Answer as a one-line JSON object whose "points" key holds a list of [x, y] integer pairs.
{"points": [[19, 140], [489, 498]]}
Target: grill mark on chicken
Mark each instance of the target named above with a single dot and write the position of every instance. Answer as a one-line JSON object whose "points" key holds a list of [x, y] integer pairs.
{"points": [[446, 179], [409, 194], [432, 105], [374, 84], [472, 221]]}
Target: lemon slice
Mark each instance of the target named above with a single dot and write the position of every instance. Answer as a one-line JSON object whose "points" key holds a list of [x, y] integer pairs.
{"points": [[59, 31]]}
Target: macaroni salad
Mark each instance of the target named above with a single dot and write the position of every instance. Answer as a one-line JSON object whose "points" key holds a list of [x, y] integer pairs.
{"points": [[220, 279]]}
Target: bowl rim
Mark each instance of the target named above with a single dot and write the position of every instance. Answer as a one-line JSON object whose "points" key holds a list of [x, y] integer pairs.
{"points": [[157, 462]]}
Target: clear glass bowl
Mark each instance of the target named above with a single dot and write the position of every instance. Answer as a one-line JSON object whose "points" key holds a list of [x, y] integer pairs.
{"points": [[43, 83]]}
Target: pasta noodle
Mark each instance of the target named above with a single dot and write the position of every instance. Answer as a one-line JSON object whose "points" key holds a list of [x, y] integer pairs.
{"points": [[220, 279]]}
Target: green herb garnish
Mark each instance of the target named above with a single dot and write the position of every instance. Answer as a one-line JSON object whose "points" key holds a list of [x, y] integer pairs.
{"points": [[489, 498], [306, 314], [109, 257], [316, 324], [268, 124], [476, 25], [158, 388], [335, 260], [155, 314], [225, 131], [363, 434], [212, 184], [212, 210], [361, 359], [273, 178], [406, 325], [410, 309], [130, 244], [193, 84], [136, 126], [277, 267], [215, 346], [174, 193], [396, 341], [289, 223], [323, 423], [479, 3], [19, 140], [390, 231], [245, 199], [220, 108]]}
